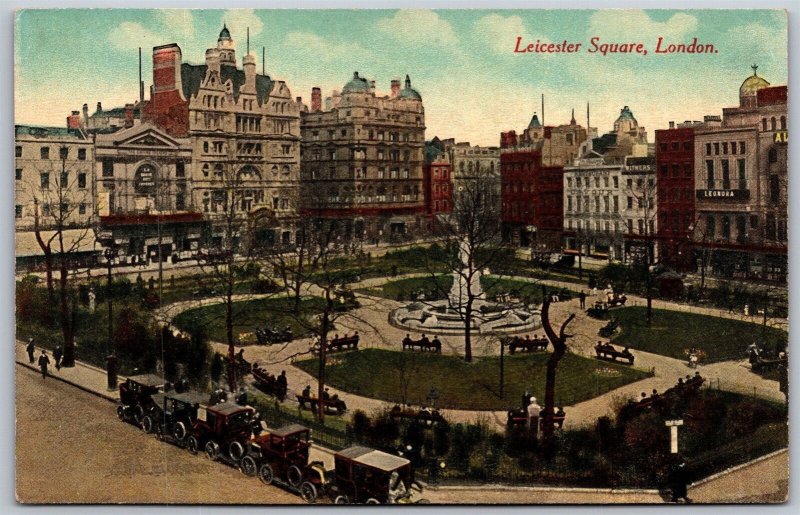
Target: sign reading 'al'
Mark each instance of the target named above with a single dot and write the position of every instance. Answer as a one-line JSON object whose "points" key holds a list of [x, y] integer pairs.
{"points": [[781, 137]]}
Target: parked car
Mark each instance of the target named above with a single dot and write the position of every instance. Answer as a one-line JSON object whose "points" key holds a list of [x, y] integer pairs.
{"points": [[281, 456], [368, 476], [135, 394], [223, 431], [173, 414]]}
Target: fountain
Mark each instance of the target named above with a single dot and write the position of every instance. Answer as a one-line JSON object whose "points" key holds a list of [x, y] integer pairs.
{"points": [[447, 316]]}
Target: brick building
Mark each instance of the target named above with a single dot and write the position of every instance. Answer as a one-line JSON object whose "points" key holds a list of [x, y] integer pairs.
{"points": [[438, 184], [363, 160]]}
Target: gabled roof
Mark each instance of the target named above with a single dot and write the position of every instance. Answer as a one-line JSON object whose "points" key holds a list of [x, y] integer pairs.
{"points": [[192, 76], [143, 134]]}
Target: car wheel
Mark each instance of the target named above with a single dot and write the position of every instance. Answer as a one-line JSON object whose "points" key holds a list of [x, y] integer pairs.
{"points": [[341, 499], [192, 445], [308, 492], [121, 412], [235, 450], [179, 431], [147, 424], [372, 500], [248, 466], [138, 413], [265, 474], [294, 476], [212, 450]]}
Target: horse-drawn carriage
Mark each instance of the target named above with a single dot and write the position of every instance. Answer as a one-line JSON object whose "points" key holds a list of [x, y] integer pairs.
{"points": [[527, 344], [266, 336], [609, 352], [424, 344]]}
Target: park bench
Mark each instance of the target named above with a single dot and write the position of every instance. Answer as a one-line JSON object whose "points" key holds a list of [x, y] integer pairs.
{"points": [[423, 415], [268, 383], [617, 300], [608, 352], [424, 344], [527, 344], [268, 336], [607, 330], [334, 405], [344, 343]]}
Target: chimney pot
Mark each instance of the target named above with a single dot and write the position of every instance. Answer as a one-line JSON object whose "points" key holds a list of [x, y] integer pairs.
{"points": [[671, 125], [99, 107], [316, 100]]}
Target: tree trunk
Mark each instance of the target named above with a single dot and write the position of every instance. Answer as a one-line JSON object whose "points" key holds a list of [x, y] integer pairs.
{"points": [[323, 351], [468, 331], [229, 330], [559, 342]]}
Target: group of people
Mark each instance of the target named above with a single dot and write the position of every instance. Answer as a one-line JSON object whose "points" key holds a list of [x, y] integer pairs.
{"points": [[44, 359], [607, 347]]}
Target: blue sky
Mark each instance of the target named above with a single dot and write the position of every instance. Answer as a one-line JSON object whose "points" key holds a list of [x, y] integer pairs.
{"points": [[462, 62]]}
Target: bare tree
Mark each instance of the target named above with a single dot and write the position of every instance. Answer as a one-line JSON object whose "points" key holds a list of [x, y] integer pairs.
{"points": [[559, 341], [57, 206]]}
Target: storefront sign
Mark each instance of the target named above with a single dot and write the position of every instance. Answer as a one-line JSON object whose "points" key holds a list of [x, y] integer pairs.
{"points": [[723, 194], [781, 137]]}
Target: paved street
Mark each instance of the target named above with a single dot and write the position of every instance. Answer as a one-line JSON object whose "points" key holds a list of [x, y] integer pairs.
{"points": [[72, 448]]}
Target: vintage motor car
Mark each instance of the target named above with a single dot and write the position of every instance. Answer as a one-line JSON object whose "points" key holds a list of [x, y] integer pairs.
{"points": [[281, 456], [135, 394], [223, 431], [173, 414], [368, 476]]}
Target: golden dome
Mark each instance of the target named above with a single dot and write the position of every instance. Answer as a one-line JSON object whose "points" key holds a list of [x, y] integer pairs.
{"points": [[752, 84]]}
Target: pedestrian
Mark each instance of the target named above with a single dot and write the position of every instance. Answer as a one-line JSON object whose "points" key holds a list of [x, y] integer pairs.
{"points": [[57, 355], [679, 481], [30, 348], [43, 362], [582, 297]]}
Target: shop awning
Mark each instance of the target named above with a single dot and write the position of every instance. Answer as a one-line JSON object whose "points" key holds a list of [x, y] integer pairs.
{"points": [[75, 241]]}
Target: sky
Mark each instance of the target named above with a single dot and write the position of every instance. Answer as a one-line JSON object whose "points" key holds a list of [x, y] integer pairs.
{"points": [[462, 62]]}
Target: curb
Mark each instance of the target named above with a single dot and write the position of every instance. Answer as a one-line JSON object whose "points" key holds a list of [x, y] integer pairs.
{"points": [[72, 383], [738, 467]]}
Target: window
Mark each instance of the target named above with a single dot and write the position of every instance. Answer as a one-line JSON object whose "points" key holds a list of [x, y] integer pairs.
{"points": [[630, 225], [687, 170], [726, 178], [676, 170], [616, 204], [783, 123], [63, 153], [616, 182], [18, 151], [716, 149], [754, 221], [630, 202], [773, 155], [664, 170], [774, 188], [687, 146], [725, 147], [663, 147], [46, 209], [17, 210], [64, 180], [44, 180], [180, 169], [733, 147], [108, 168], [708, 149], [726, 227], [81, 180], [605, 181], [770, 227], [19, 174], [773, 124], [742, 174], [44, 152], [82, 154], [741, 147], [675, 146], [710, 174], [741, 228], [641, 226], [764, 124], [82, 209]]}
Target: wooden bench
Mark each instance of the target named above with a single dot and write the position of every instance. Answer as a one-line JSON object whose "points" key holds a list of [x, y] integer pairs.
{"points": [[333, 405], [424, 344], [608, 352], [344, 343], [527, 344]]}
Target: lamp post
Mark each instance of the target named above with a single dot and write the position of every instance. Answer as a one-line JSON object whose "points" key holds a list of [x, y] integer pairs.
{"points": [[111, 360]]}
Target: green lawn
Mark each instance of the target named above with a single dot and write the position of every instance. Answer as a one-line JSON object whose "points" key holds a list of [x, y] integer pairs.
{"points": [[435, 288], [274, 313], [409, 377], [673, 332]]}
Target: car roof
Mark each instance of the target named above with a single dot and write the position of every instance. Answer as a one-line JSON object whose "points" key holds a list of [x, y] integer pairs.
{"points": [[288, 430], [147, 379], [372, 458], [189, 397], [227, 408]]}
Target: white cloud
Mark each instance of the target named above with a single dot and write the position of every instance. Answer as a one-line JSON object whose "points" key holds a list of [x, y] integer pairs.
{"points": [[238, 20], [130, 36], [177, 22], [317, 46], [500, 32], [418, 27], [630, 25]]}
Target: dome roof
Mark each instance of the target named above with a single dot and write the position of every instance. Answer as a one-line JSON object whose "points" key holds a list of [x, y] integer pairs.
{"points": [[356, 85], [535, 123], [752, 83], [625, 114], [224, 33], [409, 92]]}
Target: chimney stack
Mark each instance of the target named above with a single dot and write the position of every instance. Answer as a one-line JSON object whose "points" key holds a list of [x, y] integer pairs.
{"points": [[299, 100], [99, 107], [316, 100], [86, 113], [128, 115], [74, 120], [372, 87], [671, 125], [395, 87]]}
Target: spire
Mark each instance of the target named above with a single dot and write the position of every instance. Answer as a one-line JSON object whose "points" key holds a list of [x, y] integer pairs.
{"points": [[408, 81], [572, 121]]}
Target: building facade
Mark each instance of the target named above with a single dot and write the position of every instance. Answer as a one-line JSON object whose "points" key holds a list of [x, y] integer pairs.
{"points": [[438, 187], [363, 161], [741, 186], [638, 184]]}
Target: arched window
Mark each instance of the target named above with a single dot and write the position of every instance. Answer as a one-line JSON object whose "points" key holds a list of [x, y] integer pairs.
{"points": [[773, 124], [783, 123], [274, 170], [773, 155]]}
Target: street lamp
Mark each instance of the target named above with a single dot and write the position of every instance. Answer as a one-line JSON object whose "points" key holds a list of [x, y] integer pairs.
{"points": [[111, 360]]}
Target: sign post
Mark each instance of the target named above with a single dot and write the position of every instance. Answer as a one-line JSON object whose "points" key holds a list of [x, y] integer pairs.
{"points": [[673, 434]]}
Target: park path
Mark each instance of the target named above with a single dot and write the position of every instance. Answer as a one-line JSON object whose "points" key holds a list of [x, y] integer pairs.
{"points": [[371, 321]]}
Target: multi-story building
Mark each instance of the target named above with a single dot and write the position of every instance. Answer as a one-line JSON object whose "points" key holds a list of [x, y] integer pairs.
{"points": [[741, 186], [54, 183], [438, 185], [363, 160], [244, 132], [640, 208], [676, 197]]}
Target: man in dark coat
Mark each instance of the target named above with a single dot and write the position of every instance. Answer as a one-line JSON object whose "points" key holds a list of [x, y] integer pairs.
{"points": [[679, 481], [282, 385], [43, 362], [30, 348], [57, 355], [582, 297]]}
